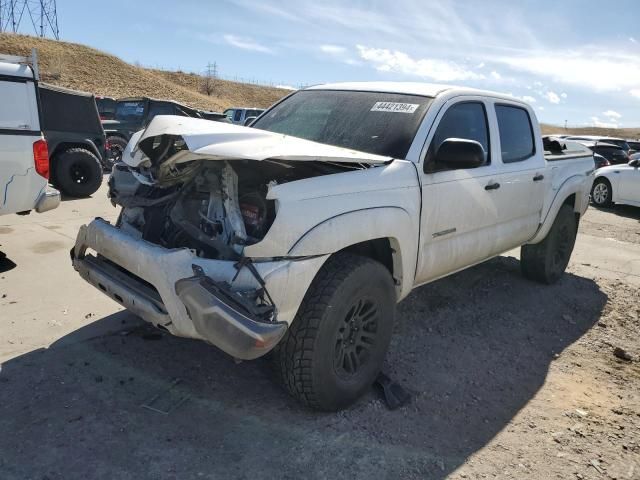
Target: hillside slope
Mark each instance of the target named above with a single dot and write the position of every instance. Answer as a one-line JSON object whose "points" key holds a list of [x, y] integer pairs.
{"points": [[80, 67]]}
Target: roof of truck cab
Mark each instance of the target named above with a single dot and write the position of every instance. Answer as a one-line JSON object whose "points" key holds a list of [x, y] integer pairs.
{"points": [[15, 70], [410, 88]]}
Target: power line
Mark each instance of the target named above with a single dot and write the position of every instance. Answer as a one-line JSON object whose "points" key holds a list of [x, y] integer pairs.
{"points": [[42, 15]]}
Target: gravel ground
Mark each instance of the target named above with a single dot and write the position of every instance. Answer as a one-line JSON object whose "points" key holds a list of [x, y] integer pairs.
{"points": [[509, 379]]}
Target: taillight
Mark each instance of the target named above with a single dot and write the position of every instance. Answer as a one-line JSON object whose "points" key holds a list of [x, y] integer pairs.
{"points": [[41, 158]]}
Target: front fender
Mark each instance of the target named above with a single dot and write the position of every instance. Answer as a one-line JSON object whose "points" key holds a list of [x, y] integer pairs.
{"points": [[349, 228]]}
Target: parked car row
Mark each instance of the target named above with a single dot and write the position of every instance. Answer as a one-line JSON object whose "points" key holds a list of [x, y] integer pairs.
{"points": [[617, 167]]}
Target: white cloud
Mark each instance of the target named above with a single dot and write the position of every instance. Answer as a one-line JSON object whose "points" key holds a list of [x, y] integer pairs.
{"points": [[495, 75], [480, 65], [385, 60], [246, 43], [286, 87], [595, 121], [552, 97], [590, 68], [635, 92], [611, 115], [541, 108], [529, 99], [563, 95], [633, 40], [332, 49]]}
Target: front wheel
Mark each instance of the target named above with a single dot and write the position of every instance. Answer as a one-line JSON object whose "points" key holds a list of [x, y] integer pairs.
{"points": [[601, 193], [546, 261], [334, 349]]}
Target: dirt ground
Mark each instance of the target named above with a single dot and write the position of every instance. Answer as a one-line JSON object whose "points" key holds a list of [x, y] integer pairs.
{"points": [[510, 379]]}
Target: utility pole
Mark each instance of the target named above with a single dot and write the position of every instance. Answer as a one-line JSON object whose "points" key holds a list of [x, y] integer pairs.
{"points": [[210, 77], [42, 15]]}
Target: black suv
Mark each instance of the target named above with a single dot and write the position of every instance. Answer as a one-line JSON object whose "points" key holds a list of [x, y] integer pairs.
{"points": [[615, 154], [76, 140], [134, 114]]}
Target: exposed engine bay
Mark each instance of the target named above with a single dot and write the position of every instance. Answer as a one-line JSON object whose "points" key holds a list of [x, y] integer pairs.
{"points": [[214, 208]]}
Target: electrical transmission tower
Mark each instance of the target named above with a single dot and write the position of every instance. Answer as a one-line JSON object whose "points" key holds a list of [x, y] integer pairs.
{"points": [[39, 16]]}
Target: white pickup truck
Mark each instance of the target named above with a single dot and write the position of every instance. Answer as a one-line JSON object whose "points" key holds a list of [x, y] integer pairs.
{"points": [[24, 156], [300, 234]]}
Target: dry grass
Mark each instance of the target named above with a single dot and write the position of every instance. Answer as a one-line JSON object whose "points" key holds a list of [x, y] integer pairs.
{"points": [[83, 68]]}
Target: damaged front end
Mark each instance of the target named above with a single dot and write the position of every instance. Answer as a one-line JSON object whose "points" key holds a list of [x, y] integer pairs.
{"points": [[176, 254]]}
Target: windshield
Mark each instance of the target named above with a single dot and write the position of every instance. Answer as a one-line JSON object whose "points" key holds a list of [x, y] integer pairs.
{"points": [[129, 111], [372, 122]]}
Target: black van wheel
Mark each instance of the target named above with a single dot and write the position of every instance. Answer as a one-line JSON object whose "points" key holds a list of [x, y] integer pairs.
{"points": [[77, 172], [546, 261], [334, 349], [115, 151]]}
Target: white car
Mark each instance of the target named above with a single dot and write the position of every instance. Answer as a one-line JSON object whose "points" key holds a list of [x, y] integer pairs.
{"points": [[300, 234], [617, 184], [24, 156]]}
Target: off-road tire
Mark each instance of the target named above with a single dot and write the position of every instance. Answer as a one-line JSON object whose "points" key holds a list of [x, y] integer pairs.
{"points": [[77, 172], [545, 262], [116, 143], [602, 193], [310, 360]]}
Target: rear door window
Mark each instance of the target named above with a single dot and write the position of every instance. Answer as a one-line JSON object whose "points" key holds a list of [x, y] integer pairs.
{"points": [[516, 133]]}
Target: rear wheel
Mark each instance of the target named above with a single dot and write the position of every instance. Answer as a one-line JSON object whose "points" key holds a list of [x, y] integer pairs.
{"points": [[115, 151], [77, 172], [601, 193], [334, 349], [546, 261]]}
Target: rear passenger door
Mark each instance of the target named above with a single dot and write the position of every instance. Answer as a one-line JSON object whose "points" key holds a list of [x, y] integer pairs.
{"points": [[522, 176]]}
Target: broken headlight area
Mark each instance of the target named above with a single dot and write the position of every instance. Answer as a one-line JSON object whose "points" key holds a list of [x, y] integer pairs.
{"points": [[213, 212]]}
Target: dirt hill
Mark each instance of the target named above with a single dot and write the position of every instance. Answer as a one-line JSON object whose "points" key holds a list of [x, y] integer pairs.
{"points": [[83, 68]]}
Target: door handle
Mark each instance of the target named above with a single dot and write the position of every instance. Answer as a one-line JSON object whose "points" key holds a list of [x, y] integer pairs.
{"points": [[538, 177], [492, 186]]}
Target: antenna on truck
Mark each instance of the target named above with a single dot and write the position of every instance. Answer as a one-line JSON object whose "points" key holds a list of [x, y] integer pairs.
{"points": [[30, 60]]}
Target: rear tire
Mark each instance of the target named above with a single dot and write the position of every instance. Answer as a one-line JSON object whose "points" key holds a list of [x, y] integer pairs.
{"points": [[602, 193], [546, 261], [334, 349], [77, 172]]}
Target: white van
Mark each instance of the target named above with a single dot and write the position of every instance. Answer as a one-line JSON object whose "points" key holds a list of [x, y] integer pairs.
{"points": [[24, 157]]}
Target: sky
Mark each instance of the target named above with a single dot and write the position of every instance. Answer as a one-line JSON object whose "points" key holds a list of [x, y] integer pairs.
{"points": [[575, 61]]}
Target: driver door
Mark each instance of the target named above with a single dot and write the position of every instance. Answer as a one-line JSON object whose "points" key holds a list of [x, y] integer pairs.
{"points": [[459, 207]]}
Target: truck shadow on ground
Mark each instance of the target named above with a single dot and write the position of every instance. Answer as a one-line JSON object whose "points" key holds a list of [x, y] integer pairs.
{"points": [[626, 211], [473, 348]]}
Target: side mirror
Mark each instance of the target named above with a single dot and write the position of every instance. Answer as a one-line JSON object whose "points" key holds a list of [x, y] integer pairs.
{"points": [[460, 153], [634, 163], [248, 121]]}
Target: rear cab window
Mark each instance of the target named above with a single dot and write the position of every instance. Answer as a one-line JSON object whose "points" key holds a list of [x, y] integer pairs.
{"points": [[516, 133]]}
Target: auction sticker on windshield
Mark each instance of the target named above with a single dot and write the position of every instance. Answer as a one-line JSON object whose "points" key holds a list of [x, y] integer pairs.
{"points": [[394, 107]]}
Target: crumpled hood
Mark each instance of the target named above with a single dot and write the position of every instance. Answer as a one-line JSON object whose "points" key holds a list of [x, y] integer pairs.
{"points": [[209, 140]]}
